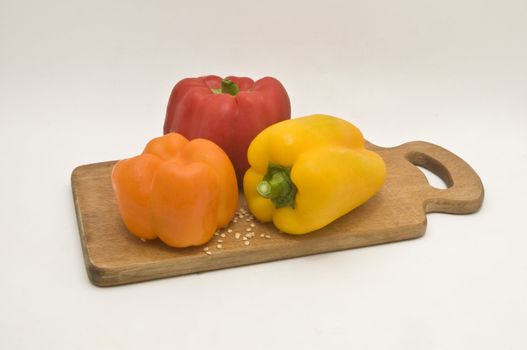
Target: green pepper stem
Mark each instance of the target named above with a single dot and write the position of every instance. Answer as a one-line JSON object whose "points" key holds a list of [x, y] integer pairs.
{"points": [[227, 87], [277, 186]]}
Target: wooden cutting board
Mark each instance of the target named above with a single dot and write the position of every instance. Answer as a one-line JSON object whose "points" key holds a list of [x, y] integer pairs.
{"points": [[113, 256]]}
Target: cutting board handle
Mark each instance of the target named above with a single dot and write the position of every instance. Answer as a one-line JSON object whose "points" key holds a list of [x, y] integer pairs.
{"points": [[465, 191]]}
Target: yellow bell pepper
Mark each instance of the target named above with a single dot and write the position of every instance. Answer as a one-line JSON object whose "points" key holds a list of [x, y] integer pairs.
{"points": [[307, 172]]}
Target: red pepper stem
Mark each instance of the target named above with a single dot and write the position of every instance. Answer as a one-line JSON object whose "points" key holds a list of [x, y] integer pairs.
{"points": [[278, 187], [227, 87]]}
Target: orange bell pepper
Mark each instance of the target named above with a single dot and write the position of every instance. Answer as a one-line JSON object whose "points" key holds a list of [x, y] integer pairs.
{"points": [[178, 190]]}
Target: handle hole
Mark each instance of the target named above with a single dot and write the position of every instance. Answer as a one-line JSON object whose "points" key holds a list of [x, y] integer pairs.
{"points": [[433, 180], [436, 173]]}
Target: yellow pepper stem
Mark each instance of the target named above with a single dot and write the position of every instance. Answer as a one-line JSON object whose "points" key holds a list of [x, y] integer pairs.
{"points": [[278, 187]]}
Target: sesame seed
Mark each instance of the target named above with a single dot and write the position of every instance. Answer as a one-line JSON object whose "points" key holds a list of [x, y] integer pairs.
{"points": [[252, 225], [208, 253], [244, 238], [220, 240], [223, 235], [219, 246], [237, 235], [240, 216], [247, 242], [262, 235], [248, 220], [267, 236], [248, 229], [206, 248], [229, 230]]}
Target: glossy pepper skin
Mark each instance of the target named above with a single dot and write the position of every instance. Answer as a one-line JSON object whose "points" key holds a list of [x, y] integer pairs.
{"points": [[307, 172], [178, 190], [230, 112]]}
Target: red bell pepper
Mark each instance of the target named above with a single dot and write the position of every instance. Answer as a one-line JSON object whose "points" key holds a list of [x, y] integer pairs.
{"points": [[230, 112]]}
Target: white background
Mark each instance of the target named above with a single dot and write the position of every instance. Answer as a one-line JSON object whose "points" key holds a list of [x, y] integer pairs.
{"points": [[88, 81]]}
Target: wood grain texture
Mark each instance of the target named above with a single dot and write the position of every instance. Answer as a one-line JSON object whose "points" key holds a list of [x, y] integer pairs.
{"points": [[113, 256]]}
